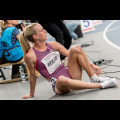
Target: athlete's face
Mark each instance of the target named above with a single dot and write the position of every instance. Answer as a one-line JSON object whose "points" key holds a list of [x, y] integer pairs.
{"points": [[40, 33]]}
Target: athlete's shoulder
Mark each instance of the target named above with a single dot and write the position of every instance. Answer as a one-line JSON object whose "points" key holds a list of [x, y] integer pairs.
{"points": [[30, 55], [54, 44]]}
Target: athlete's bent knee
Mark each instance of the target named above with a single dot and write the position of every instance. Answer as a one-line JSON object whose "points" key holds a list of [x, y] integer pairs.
{"points": [[62, 79], [76, 49]]}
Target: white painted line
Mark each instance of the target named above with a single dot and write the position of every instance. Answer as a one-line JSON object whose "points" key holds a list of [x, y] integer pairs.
{"points": [[105, 37]]}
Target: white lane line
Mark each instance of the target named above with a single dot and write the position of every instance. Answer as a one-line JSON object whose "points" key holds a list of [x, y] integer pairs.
{"points": [[105, 36]]}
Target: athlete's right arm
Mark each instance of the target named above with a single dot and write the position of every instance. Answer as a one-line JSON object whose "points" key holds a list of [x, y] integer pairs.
{"points": [[32, 78]]}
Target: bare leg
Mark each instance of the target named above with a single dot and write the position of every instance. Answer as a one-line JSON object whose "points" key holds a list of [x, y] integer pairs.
{"points": [[76, 61], [66, 85], [74, 68]]}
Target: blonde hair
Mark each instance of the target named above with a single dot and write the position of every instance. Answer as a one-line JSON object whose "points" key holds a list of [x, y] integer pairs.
{"points": [[3, 24], [26, 36]]}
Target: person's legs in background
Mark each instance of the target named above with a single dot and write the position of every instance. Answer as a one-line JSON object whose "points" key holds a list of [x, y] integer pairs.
{"points": [[15, 70], [72, 27], [66, 34]]}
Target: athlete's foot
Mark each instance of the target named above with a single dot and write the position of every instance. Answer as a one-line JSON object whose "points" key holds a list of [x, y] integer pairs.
{"points": [[109, 83]]}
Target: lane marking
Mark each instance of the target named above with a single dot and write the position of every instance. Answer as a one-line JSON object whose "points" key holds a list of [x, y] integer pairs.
{"points": [[105, 36]]}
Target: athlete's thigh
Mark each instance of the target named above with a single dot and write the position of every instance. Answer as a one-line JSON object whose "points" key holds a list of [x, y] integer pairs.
{"points": [[74, 68], [61, 86]]}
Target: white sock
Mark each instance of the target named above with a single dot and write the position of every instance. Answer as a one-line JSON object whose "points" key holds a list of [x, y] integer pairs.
{"points": [[93, 77], [96, 78]]}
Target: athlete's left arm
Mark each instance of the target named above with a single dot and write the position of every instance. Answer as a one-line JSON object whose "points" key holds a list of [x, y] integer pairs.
{"points": [[60, 48]]}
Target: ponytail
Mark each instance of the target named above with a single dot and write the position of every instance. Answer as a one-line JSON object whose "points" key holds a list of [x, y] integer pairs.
{"points": [[27, 36], [24, 43]]}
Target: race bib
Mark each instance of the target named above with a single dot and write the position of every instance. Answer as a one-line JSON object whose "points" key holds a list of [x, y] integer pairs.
{"points": [[51, 61]]}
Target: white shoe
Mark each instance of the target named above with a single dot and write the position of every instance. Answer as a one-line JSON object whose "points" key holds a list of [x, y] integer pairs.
{"points": [[109, 83], [97, 79]]}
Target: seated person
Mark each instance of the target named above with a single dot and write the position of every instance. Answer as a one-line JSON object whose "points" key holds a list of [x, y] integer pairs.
{"points": [[10, 48], [45, 58]]}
